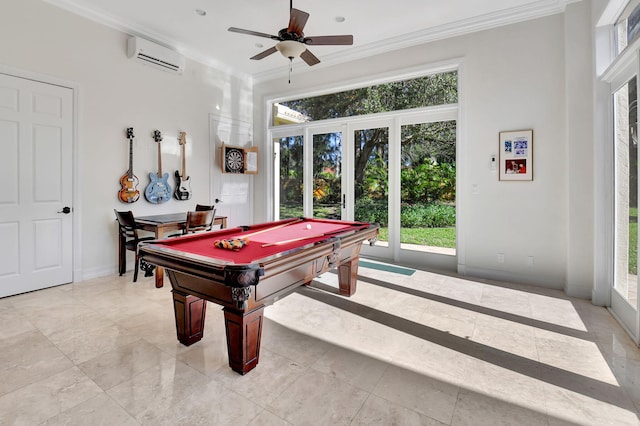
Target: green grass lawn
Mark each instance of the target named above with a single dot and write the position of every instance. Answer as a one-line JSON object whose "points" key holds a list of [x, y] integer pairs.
{"points": [[438, 237]]}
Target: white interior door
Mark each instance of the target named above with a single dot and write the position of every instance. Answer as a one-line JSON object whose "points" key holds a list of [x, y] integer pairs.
{"points": [[36, 122]]}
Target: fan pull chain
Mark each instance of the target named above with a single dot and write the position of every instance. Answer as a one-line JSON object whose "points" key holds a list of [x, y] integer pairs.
{"points": [[290, 68]]}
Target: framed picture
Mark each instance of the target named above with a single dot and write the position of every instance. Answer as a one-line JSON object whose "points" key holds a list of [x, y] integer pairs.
{"points": [[516, 155]]}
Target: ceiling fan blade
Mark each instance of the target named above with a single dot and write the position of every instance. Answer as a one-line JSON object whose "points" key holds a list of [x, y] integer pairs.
{"points": [[297, 21], [264, 54], [253, 33], [309, 58], [329, 40]]}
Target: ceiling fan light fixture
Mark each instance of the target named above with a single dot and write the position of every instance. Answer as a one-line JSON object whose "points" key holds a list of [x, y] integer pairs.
{"points": [[290, 48]]}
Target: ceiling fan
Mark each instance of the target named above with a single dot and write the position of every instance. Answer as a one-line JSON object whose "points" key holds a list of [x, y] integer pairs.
{"points": [[291, 40]]}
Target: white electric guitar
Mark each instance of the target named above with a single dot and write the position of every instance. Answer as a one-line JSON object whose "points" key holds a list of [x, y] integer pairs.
{"points": [[183, 184]]}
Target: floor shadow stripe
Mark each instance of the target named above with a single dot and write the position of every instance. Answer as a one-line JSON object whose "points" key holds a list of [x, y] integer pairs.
{"points": [[543, 325], [574, 382]]}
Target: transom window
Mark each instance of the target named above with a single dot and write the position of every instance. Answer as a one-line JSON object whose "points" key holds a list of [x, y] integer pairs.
{"points": [[425, 91], [628, 25]]}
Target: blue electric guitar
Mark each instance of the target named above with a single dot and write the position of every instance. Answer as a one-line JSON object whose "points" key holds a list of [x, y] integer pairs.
{"points": [[183, 182], [158, 191]]}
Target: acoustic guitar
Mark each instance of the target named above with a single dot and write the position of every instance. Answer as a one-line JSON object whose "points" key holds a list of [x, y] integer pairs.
{"points": [[158, 191], [129, 182], [183, 182]]}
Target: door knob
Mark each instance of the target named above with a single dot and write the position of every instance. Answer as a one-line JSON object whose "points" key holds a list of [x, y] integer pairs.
{"points": [[65, 210]]}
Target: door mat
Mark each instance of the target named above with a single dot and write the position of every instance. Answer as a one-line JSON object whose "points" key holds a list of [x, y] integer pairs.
{"points": [[386, 267]]}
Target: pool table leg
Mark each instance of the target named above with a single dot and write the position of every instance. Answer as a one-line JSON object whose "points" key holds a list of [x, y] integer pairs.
{"points": [[159, 277], [190, 313], [244, 330], [348, 276]]}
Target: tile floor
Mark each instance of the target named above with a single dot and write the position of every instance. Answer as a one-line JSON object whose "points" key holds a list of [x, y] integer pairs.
{"points": [[424, 349]]}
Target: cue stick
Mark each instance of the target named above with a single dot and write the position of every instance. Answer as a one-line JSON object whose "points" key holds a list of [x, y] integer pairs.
{"points": [[271, 229], [308, 237]]}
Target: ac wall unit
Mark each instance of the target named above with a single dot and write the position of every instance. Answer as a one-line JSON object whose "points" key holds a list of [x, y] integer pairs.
{"points": [[155, 55]]}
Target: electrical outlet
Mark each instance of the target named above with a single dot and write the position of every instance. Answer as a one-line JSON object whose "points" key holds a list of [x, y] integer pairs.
{"points": [[500, 257], [530, 261]]}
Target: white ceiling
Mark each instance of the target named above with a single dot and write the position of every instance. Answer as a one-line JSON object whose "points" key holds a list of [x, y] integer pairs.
{"points": [[376, 25]]}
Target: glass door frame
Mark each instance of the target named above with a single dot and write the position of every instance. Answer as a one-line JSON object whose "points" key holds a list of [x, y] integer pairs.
{"points": [[310, 132], [411, 257], [278, 134], [623, 311], [388, 252], [394, 121]]}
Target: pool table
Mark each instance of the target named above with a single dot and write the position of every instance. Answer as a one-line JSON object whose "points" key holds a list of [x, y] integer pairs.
{"points": [[278, 257]]}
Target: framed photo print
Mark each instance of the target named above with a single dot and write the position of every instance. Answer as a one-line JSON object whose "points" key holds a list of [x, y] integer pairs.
{"points": [[516, 155]]}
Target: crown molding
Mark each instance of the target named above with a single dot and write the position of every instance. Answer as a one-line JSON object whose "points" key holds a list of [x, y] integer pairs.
{"points": [[486, 22], [513, 15]]}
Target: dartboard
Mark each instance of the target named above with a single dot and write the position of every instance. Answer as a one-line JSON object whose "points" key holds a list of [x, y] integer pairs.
{"points": [[234, 160]]}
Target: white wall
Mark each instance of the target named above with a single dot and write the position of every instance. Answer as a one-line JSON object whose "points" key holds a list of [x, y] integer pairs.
{"points": [[579, 77], [116, 93], [514, 77]]}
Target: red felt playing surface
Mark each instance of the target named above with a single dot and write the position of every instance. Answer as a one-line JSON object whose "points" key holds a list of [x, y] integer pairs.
{"points": [[202, 244]]}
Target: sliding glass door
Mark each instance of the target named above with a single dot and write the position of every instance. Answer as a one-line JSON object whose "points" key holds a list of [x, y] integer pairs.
{"points": [[428, 187], [309, 180], [398, 171]]}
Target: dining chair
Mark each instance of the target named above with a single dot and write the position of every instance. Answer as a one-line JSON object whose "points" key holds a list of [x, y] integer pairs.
{"points": [[198, 221], [128, 233], [203, 207]]}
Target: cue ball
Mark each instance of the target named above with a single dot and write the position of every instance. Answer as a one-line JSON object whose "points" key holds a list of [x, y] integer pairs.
{"points": [[308, 226]]}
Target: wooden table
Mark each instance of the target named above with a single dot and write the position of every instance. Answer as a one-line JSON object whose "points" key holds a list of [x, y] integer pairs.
{"points": [[161, 225]]}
